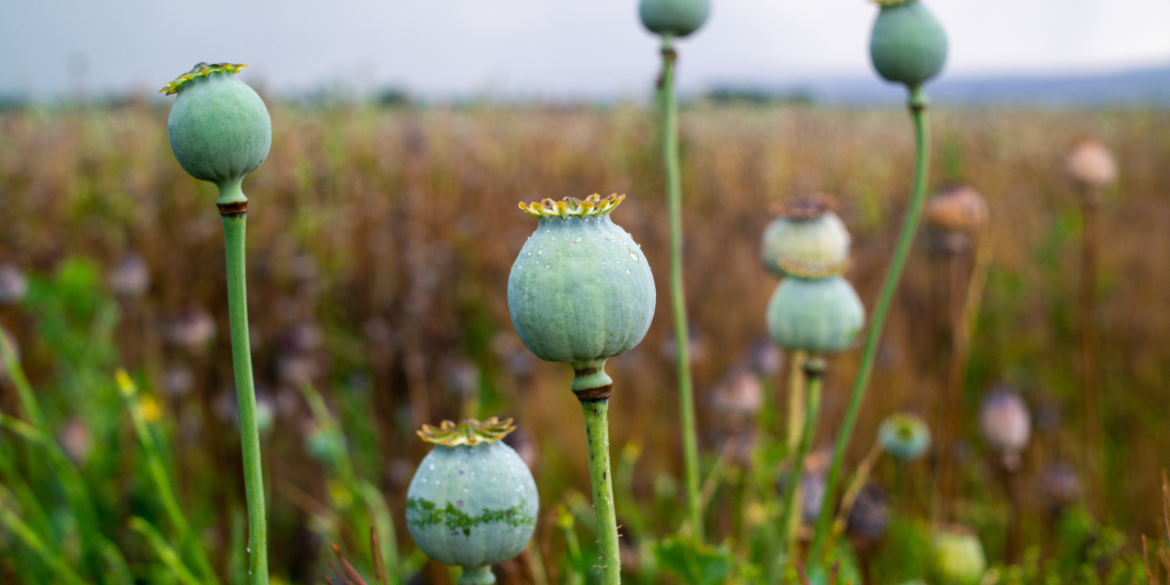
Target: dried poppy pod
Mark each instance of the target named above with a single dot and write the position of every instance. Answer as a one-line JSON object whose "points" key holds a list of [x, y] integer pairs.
{"points": [[739, 395], [1060, 486], [1090, 165], [959, 208], [472, 502], [581, 291], [807, 239], [677, 18], [818, 316], [957, 557], [904, 436], [13, 284], [908, 44], [130, 277], [1006, 424]]}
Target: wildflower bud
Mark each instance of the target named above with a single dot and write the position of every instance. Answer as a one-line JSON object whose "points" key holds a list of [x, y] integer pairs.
{"points": [[957, 557], [219, 127], [677, 18], [581, 290], [13, 284], [908, 45], [818, 316], [472, 502], [1005, 423], [1091, 165], [807, 240], [904, 436]]}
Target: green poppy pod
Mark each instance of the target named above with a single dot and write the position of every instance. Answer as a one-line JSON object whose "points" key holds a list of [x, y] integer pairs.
{"points": [[807, 240], [908, 44], [957, 557], [677, 18], [219, 127], [818, 316], [472, 502], [904, 435], [580, 291]]}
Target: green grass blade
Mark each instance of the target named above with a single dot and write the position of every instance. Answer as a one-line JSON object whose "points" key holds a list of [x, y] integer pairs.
{"points": [[165, 552], [23, 533]]}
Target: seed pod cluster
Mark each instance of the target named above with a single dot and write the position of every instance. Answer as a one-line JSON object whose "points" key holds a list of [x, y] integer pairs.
{"points": [[473, 502], [814, 309]]}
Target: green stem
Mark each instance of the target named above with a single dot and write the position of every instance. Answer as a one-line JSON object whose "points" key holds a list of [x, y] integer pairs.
{"points": [[477, 576], [905, 239], [234, 224], [814, 371], [597, 434], [677, 295]]}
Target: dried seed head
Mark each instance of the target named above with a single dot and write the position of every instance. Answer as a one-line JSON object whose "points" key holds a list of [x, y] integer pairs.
{"points": [[957, 208], [806, 239], [904, 436], [1091, 165], [1005, 423]]}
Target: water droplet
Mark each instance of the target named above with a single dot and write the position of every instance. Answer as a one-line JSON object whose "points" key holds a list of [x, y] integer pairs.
{"points": [[549, 266], [633, 256], [627, 271], [553, 238], [539, 252], [578, 240], [432, 467]]}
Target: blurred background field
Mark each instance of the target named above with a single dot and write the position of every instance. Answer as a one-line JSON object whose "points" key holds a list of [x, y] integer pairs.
{"points": [[380, 244]]}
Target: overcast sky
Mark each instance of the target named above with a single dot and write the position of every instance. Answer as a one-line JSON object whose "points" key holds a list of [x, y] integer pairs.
{"points": [[537, 48]]}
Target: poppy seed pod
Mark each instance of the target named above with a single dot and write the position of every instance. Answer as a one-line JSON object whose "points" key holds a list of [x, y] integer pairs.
{"points": [[1091, 165], [472, 502], [908, 45], [807, 239], [219, 127], [818, 316], [1004, 422], [904, 436], [677, 18], [957, 208], [13, 284], [957, 557], [580, 291]]}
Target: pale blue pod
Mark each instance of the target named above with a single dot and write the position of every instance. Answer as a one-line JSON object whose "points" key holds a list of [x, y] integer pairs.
{"points": [[904, 436], [581, 290], [908, 44], [818, 316], [472, 505], [809, 248], [677, 18], [219, 128]]}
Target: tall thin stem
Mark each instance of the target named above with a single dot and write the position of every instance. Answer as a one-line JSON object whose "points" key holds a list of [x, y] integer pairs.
{"points": [[233, 208], [885, 298], [597, 434], [677, 295], [1090, 371], [814, 371]]}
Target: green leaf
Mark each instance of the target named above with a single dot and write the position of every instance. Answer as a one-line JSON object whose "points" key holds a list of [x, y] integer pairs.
{"points": [[693, 562]]}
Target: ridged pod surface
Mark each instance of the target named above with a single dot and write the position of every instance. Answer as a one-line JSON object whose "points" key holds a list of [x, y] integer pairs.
{"points": [[219, 127], [580, 290], [677, 18], [808, 248], [957, 558], [818, 316], [471, 503], [908, 44]]}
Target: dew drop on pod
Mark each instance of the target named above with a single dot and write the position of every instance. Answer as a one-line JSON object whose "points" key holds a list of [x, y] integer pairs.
{"points": [[904, 436], [676, 18], [472, 502], [957, 557], [908, 45], [579, 293], [807, 239]]}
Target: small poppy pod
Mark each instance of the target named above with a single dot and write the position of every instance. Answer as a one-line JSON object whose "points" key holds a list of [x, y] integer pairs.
{"points": [[904, 436], [908, 45], [13, 284], [677, 18], [472, 502], [957, 557], [818, 316], [1004, 422], [1060, 485], [581, 290], [1091, 165], [219, 127], [870, 517], [958, 208], [807, 240]]}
